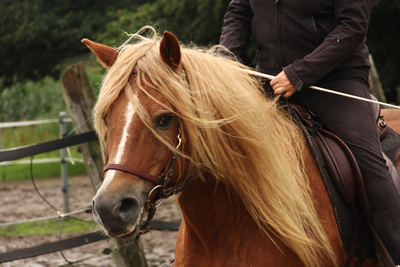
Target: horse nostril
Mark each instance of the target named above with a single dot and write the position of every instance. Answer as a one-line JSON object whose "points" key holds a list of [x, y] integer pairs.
{"points": [[127, 204], [93, 207], [126, 208], [95, 214]]}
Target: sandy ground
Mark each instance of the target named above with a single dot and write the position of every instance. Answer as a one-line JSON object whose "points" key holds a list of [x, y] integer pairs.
{"points": [[19, 201]]}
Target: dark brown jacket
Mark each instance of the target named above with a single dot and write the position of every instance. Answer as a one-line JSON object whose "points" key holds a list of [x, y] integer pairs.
{"points": [[309, 39]]}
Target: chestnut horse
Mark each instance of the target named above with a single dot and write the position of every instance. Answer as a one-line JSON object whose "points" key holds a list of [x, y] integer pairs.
{"points": [[250, 191]]}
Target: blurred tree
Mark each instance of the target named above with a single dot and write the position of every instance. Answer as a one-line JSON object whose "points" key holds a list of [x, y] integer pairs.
{"points": [[384, 43], [36, 35], [199, 21]]}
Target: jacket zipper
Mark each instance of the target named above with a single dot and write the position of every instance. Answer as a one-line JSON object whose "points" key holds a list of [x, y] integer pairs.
{"points": [[278, 24]]}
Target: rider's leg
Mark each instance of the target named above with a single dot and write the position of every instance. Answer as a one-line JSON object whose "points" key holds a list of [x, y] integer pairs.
{"points": [[355, 123]]}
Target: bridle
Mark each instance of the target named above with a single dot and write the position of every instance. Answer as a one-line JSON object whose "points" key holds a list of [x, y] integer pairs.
{"points": [[160, 182], [163, 178]]}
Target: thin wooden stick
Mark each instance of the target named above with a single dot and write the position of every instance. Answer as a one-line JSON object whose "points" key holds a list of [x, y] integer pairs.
{"points": [[270, 77]]}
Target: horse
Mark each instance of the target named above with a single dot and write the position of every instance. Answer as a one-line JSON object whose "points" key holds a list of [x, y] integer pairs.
{"points": [[177, 119]]}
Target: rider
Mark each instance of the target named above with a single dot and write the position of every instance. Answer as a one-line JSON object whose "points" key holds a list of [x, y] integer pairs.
{"points": [[322, 42]]}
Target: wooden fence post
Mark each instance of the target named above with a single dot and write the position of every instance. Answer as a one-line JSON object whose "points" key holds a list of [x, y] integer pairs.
{"points": [[80, 101], [79, 98]]}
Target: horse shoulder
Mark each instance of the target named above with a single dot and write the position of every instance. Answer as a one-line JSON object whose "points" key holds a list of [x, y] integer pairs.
{"points": [[323, 206]]}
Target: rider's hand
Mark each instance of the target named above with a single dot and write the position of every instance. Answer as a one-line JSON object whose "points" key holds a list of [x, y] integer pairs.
{"points": [[282, 85]]}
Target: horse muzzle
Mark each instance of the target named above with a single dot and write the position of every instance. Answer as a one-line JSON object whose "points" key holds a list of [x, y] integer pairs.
{"points": [[120, 216]]}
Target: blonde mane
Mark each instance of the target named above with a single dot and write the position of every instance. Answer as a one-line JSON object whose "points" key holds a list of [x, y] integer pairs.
{"points": [[234, 132]]}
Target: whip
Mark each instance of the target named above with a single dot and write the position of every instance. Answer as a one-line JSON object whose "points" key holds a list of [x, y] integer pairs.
{"points": [[270, 77]]}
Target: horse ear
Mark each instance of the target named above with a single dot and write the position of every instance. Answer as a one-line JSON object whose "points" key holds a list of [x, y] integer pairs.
{"points": [[105, 55], [170, 50]]}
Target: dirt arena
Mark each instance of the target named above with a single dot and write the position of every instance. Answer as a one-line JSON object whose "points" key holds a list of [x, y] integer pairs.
{"points": [[19, 201]]}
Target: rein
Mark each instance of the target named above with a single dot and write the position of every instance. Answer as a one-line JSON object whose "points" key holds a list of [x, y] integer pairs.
{"points": [[160, 182]]}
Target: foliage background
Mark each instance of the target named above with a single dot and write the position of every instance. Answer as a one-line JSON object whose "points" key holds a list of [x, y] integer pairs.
{"points": [[39, 38]]}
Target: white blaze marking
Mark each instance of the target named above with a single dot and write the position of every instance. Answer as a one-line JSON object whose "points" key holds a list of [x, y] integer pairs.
{"points": [[130, 111]]}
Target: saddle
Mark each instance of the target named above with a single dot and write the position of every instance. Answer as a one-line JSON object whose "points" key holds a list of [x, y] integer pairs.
{"points": [[343, 180]]}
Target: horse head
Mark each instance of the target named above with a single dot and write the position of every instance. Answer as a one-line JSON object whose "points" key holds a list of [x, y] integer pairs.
{"points": [[139, 164]]}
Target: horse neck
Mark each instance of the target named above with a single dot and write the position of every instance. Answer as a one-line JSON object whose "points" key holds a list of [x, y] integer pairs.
{"points": [[202, 198], [207, 210], [216, 226], [208, 207]]}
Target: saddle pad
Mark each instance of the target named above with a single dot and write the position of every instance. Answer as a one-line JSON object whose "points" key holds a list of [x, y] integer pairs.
{"points": [[390, 142]]}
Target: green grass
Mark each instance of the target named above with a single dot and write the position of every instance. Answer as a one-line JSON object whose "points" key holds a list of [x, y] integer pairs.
{"points": [[47, 227], [40, 170], [36, 134], [23, 136], [29, 135]]}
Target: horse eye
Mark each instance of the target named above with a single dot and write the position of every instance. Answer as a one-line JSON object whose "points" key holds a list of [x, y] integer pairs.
{"points": [[164, 121]]}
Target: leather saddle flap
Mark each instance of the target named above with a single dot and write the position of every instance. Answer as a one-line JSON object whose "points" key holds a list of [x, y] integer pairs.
{"points": [[341, 165], [339, 160]]}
